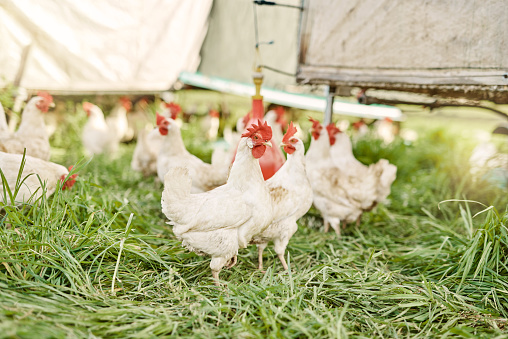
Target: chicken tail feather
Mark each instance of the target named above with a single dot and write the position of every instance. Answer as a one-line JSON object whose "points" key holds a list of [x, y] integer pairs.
{"points": [[387, 174], [177, 187]]}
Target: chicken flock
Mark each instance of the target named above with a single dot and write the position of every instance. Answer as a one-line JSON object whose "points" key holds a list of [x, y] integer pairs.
{"points": [[214, 209]]}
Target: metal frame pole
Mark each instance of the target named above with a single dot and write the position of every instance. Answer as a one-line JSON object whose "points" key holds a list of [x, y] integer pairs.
{"points": [[329, 105]]}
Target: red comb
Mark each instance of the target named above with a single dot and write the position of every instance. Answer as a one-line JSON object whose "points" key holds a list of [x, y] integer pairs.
{"points": [[332, 129], [315, 123], [263, 129], [316, 128], [358, 124], [71, 180], [87, 106], [159, 119], [46, 101], [290, 132], [126, 103], [174, 109], [46, 96], [214, 113]]}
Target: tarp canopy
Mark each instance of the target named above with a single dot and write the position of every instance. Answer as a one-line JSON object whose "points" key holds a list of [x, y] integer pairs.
{"points": [[456, 44], [74, 46]]}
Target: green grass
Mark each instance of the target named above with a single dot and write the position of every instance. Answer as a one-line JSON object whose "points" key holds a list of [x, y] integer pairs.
{"points": [[99, 260]]}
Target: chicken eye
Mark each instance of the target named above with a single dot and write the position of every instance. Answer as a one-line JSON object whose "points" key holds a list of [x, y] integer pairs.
{"points": [[293, 140]]}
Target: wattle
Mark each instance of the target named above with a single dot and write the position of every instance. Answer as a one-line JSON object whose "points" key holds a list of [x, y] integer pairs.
{"points": [[289, 149], [258, 151], [163, 130], [315, 135]]}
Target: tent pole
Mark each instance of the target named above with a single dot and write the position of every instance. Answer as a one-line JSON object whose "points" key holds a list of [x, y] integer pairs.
{"points": [[329, 105], [22, 65]]}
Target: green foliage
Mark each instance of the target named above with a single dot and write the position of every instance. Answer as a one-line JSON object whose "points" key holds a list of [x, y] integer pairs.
{"points": [[7, 95], [99, 260]]}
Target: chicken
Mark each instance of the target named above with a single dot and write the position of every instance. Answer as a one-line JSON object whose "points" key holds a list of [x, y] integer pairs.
{"points": [[219, 222], [272, 118], [382, 173], [31, 133], [291, 195], [211, 124], [174, 154], [488, 163], [96, 136], [360, 128], [224, 153], [34, 171], [337, 196], [138, 120], [117, 120], [144, 158], [385, 130]]}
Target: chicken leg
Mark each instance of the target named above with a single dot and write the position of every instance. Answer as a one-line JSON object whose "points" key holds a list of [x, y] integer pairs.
{"points": [[283, 261], [261, 248]]}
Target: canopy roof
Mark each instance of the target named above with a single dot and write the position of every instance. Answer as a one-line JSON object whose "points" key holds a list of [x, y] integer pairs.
{"points": [[429, 46], [75, 46]]}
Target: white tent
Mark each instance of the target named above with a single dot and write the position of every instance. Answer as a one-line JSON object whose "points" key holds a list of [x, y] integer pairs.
{"points": [[74, 46]]}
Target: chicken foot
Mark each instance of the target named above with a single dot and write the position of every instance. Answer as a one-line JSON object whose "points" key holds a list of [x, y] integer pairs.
{"points": [[261, 248], [327, 225], [216, 265]]}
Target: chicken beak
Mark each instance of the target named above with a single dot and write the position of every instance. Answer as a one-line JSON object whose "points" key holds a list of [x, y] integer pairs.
{"points": [[282, 144], [267, 143], [52, 105]]}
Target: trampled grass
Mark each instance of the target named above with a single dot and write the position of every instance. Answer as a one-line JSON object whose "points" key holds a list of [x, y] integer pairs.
{"points": [[99, 261]]}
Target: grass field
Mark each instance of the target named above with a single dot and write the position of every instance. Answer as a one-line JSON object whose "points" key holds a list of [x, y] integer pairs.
{"points": [[99, 260]]}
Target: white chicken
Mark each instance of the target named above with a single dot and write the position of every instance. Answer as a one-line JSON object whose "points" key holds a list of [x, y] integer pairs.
{"points": [[224, 153], [382, 174], [117, 120], [336, 195], [360, 129], [144, 158], [271, 118], [34, 172], [219, 222], [174, 154], [211, 124], [96, 136], [138, 119], [385, 130], [291, 195], [31, 133]]}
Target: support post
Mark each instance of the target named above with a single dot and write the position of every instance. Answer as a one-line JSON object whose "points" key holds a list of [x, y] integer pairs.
{"points": [[329, 105]]}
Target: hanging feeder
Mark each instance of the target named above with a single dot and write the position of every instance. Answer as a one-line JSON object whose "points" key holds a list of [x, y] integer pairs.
{"points": [[273, 159]]}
